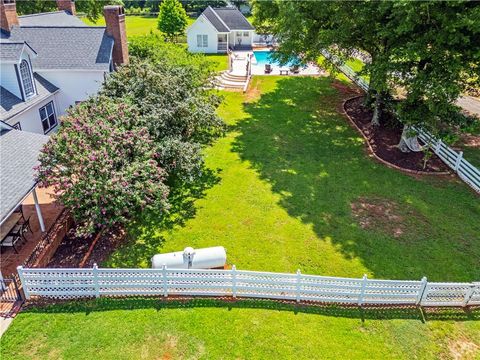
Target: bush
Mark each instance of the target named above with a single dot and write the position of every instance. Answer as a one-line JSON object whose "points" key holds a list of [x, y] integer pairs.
{"points": [[124, 149]]}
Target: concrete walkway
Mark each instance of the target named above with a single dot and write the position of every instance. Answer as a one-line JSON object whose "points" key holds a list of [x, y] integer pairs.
{"points": [[470, 104]]}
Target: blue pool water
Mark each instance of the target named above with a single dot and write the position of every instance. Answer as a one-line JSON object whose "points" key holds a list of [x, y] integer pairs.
{"points": [[264, 57]]}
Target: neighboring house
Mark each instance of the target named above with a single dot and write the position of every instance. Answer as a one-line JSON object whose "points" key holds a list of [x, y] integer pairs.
{"points": [[51, 61], [218, 29]]}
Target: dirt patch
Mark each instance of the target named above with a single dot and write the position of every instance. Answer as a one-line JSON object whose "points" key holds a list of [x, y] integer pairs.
{"points": [[463, 349], [379, 214], [383, 140], [73, 250], [346, 89], [253, 92]]}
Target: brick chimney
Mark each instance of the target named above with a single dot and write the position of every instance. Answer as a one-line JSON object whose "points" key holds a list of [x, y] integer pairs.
{"points": [[115, 22], [8, 14], [67, 5]]}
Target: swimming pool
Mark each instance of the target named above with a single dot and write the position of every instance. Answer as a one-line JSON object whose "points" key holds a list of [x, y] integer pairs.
{"points": [[264, 57]]}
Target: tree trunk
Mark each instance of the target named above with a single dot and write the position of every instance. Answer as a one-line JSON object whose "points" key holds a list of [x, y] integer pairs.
{"points": [[377, 111], [402, 145]]}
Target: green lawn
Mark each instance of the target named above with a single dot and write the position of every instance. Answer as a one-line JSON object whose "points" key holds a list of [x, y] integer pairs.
{"points": [[279, 198], [136, 25], [142, 25]]}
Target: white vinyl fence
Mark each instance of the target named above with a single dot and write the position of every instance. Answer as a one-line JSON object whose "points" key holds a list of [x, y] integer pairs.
{"points": [[465, 170], [95, 282]]}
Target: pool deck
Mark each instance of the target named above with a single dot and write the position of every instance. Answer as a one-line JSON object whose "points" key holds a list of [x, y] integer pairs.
{"points": [[239, 66]]}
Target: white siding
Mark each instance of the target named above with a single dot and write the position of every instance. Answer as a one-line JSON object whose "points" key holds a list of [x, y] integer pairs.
{"points": [[202, 27], [8, 79], [235, 35], [74, 86], [30, 119]]}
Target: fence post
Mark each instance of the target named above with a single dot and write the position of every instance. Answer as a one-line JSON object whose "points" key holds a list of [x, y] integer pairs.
{"points": [[362, 291], [95, 280], [24, 283], [438, 146], [299, 281], [468, 295], [234, 281], [165, 280], [421, 290], [458, 161]]}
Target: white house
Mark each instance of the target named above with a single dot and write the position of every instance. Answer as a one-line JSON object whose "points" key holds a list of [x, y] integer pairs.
{"points": [[51, 61], [218, 29]]}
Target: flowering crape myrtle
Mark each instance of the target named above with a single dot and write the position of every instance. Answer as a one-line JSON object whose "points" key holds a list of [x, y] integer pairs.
{"points": [[122, 151]]}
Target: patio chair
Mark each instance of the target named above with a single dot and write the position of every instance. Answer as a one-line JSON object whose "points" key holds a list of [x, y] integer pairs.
{"points": [[11, 240], [268, 68], [21, 229], [295, 69]]}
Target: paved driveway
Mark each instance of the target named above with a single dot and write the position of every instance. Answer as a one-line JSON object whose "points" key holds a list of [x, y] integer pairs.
{"points": [[470, 104]]}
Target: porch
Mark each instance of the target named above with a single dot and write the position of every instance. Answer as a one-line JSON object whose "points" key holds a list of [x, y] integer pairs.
{"points": [[50, 213]]}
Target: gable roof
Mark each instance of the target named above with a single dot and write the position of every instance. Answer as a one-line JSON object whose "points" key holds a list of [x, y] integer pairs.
{"points": [[59, 18], [227, 19], [11, 105], [66, 47], [19, 152], [12, 51], [215, 20], [233, 18]]}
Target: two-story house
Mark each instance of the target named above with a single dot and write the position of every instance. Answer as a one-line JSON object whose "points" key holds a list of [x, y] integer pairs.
{"points": [[51, 61]]}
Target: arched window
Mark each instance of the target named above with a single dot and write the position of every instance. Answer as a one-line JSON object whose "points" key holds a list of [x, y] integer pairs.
{"points": [[27, 81]]}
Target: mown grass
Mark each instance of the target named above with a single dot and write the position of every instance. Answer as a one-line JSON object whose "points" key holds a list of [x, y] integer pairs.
{"points": [[135, 24], [142, 25], [279, 198]]}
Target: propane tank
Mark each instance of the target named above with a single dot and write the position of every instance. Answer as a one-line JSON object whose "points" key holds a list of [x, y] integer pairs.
{"points": [[189, 258]]}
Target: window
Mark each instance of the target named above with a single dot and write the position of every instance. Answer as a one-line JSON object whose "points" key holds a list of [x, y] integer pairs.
{"points": [[202, 41], [245, 34], [26, 76], [48, 117], [17, 126]]}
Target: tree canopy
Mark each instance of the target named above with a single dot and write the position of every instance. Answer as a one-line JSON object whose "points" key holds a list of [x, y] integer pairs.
{"points": [[172, 19], [91, 8], [426, 49], [125, 149]]}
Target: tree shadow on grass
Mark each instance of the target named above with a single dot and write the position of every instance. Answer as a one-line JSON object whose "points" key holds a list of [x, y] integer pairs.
{"points": [[342, 311], [295, 138], [144, 238]]}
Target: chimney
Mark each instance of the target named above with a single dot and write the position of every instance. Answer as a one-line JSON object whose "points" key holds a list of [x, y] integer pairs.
{"points": [[8, 14], [66, 5], [115, 23]]}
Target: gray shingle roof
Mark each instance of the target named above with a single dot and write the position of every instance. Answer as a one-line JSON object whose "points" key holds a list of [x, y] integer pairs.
{"points": [[210, 14], [233, 18], [66, 47], [57, 18], [11, 51], [19, 152], [11, 105]]}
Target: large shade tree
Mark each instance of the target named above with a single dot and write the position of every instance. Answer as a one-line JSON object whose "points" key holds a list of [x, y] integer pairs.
{"points": [[425, 48], [172, 18]]}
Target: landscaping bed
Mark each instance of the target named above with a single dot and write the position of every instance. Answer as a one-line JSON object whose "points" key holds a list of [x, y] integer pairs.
{"points": [[74, 251], [384, 139]]}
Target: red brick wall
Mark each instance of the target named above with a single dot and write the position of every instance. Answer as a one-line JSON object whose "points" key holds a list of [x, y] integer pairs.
{"points": [[8, 14]]}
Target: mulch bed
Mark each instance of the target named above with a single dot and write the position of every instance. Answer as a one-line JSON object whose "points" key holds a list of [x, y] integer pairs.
{"points": [[74, 251], [385, 138]]}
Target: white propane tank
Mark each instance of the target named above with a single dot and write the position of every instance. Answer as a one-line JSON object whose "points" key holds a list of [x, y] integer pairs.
{"points": [[189, 258]]}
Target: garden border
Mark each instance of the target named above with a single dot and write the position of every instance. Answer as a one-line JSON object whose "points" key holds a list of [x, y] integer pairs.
{"points": [[378, 158]]}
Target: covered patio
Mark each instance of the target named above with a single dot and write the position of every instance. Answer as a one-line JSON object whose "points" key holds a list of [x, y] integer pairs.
{"points": [[26, 213]]}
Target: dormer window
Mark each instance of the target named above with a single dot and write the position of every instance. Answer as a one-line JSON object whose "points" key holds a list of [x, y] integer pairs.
{"points": [[27, 81]]}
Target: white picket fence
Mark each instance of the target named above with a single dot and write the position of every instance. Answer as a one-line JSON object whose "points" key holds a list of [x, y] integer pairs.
{"points": [[95, 282], [464, 169]]}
